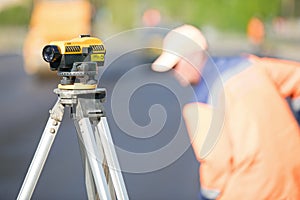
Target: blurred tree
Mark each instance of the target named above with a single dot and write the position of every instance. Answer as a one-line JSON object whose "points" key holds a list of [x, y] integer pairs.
{"points": [[290, 8], [16, 14], [287, 8], [123, 12], [223, 14]]}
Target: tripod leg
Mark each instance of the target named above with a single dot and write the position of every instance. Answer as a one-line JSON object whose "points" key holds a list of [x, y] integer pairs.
{"points": [[90, 184], [106, 168], [109, 181], [94, 157], [112, 160], [42, 152]]}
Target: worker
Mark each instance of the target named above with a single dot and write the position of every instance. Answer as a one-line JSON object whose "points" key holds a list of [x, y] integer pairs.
{"points": [[241, 127], [255, 30]]}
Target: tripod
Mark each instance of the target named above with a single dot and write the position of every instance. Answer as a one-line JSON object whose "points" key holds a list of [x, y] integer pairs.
{"points": [[103, 177]]}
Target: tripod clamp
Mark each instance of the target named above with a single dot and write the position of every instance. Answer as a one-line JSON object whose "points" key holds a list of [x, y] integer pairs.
{"points": [[91, 100]]}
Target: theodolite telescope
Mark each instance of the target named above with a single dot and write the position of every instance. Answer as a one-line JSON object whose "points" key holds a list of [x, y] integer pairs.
{"points": [[76, 58]]}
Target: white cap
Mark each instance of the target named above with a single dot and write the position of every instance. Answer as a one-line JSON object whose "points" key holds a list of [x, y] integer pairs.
{"points": [[180, 43]]}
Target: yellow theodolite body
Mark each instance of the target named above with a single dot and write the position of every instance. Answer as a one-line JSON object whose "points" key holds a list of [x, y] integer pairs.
{"points": [[76, 45], [62, 54], [68, 57]]}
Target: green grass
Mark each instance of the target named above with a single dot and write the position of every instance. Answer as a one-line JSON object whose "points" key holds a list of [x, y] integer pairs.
{"points": [[232, 15], [223, 14], [16, 15]]}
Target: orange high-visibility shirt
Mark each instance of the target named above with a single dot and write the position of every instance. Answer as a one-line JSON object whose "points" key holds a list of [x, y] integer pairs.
{"points": [[257, 152]]}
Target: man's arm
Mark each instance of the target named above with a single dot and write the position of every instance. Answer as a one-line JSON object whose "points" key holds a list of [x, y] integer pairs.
{"points": [[285, 75]]}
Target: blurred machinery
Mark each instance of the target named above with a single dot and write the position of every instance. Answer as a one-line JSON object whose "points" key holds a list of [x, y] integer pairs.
{"points": [[54, 20]]}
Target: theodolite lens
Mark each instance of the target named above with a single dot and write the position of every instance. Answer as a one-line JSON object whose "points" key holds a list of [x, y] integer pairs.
{"points": [[51, 53]]}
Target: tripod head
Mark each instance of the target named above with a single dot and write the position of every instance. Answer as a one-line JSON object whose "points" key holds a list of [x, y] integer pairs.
{"points": [[76, 58]]}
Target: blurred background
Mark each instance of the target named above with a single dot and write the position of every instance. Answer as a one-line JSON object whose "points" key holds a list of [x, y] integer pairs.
{"points": [[266, 28], [224, 22]]}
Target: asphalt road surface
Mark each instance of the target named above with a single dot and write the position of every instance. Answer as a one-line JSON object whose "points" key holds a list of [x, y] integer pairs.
{"points": [[25, 102]]}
